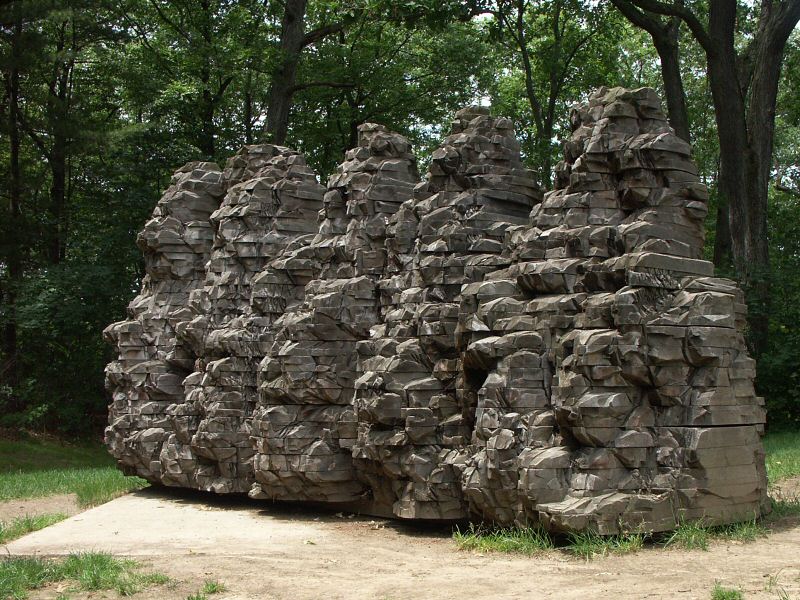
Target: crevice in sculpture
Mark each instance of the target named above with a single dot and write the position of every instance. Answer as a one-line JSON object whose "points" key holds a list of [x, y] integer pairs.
{"points": [[460, 347]]}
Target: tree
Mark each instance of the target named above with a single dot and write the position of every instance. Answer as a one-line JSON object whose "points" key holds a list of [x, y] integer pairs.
{"points": [[410, 79], [744, 86], [293, 40], [12, 250], [665, 34], [561, 45], [187, 56]]}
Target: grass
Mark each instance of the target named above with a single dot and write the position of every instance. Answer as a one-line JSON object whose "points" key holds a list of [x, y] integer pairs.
{"points": [[531, 540], [213, 587], [33, 469], [587, 544], [521, 540], [209, 588], [783, 455], [89, 571], [22, 525], [722, 593], [693, 535]]}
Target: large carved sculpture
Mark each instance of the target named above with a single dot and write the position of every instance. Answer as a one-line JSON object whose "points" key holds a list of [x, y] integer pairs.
{"points": [[459, 347]]}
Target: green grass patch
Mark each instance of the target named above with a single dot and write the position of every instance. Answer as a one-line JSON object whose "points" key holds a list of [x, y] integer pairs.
{"points": [[209, 589], [89, 571], [519, 540], [33, 469], [693, 535], [213, 587], [723, 593], [783, 455], [689, 536], [11, 530], [532, 540], [587, 544]]}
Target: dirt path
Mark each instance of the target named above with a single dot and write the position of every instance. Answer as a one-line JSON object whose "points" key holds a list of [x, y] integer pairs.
{"points": [[66, 504], [277, 552]]}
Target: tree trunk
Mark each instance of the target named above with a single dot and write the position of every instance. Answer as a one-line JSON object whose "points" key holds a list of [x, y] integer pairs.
{"points": [[58, 195], [744, 91], [668, 50], [9, 368], [248, 108], [281, 86], [746, 130], [206, 108], [57, 159], [666, 39], [722, 240], [205, 140]]}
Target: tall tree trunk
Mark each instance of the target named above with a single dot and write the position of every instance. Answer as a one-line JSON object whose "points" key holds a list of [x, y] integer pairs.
{"points": [[744, 90], [205, 139], [58, 109], [668, 49], [722, 240], [9, 368], [666, 39], [281, 87], [746, 128], [206, 108], [248, 108]]}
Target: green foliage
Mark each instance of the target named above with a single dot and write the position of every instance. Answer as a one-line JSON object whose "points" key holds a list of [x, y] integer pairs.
{"points": [[125, 92], [785, 508], [27, 524], [36, 469], [517, 540], [723, 593], [778, 376], [89, 571]]}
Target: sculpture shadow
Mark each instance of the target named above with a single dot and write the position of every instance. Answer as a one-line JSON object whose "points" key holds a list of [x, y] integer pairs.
{"points": [[308, 512]]}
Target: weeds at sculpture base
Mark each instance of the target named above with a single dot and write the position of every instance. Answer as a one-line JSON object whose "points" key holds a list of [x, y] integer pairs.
{"points": [[88, 571], [586, 544], [691, 535], [11, 530], [521, 540], [37, 468]]}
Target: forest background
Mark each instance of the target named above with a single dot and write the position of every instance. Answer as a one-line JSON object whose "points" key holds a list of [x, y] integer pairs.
{"points": [[102, 100]]}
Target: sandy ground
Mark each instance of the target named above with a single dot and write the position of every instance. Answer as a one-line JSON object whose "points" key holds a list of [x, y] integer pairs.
{"points": [[272, 551]]}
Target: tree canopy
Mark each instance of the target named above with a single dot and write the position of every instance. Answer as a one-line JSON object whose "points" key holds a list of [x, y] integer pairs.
{"points": [[102, 100]]}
